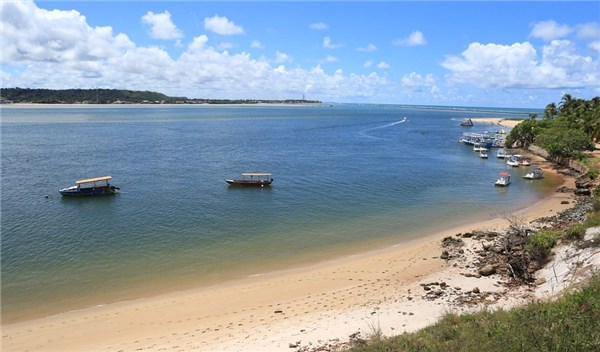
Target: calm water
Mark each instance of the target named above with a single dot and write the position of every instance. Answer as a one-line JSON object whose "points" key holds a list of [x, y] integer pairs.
{"points": [[346, 177]]}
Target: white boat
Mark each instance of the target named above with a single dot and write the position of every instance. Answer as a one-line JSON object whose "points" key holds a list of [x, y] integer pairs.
{"points": [[501, 154], [524, 162], [477, 147], [513, 161], [503, 180], [535, 174], [483, 154]]}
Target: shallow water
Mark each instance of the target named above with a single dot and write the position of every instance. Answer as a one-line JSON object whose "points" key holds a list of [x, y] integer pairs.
{"points": [[345, 175]]}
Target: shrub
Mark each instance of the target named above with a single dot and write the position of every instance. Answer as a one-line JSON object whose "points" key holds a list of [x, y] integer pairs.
{"points": [[592, 219], [540, 244], [575, 232]]}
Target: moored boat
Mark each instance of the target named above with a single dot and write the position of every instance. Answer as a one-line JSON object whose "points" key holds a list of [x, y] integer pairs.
{"points": [[97, 186], [503, 180], [513, 161], [467, 123], [483, 154], [501, 154], [535, 174], [252, 179]]}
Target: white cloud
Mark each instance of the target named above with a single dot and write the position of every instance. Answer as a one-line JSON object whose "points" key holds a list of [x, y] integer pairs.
{"points": [[329, 58], [31, 34], [588, 31], [161, 26], [368, 63], [319, 26], [222, 26], [281, 57], [383, 65], [415, 82], [549, 30], [369, 48], [414, 39], [327, 44], [595, 46], [257, 45], [519, 66]]}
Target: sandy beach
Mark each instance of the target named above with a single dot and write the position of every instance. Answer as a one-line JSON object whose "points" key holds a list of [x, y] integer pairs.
{"points": [[376, 291], [509, 123]]}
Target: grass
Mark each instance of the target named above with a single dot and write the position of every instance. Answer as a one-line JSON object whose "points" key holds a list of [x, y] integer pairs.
{"points": [[540, 244], [571, 323]]}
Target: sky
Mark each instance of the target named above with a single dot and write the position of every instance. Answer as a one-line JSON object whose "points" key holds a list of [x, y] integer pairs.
{"points": [[468, 53]]}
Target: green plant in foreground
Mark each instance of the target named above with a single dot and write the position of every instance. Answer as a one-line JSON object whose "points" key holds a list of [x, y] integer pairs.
{"points": [[575, 232], [540, 244], [570, 323], [592, 219]]}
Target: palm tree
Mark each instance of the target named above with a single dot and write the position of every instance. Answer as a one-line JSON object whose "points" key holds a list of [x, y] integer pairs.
{"points": [[550, 112]]}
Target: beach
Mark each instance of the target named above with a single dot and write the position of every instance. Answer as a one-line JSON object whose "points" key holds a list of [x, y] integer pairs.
{"points": [[311, 305]]}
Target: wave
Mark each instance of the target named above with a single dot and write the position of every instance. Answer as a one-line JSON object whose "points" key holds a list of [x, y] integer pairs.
{"points": [[391, 124]]}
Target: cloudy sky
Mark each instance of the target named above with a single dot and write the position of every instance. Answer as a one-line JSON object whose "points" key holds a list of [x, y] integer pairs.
{"points": [[502, 54]]}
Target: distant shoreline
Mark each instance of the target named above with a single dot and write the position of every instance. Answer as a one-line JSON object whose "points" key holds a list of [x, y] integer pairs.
{"points": [[104, 106]]}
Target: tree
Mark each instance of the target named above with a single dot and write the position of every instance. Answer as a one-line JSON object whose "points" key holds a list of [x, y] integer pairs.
{"points": [[561, 142], [551, 112]]}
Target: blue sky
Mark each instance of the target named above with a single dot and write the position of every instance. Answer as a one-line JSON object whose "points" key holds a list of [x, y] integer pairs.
{"points": [[504, 54]]}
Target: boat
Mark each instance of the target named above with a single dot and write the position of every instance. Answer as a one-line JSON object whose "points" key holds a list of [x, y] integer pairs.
{"points": [[501, 154], [467, 123], [252, 179], [503, 180], [483, 154], [524, 162], [483, 139], [97, 186], [535, 174], [478, 147], [513, 161]]}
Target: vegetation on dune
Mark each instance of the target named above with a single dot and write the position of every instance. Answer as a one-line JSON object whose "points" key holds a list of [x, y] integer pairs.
{"points": [[571, 323]]}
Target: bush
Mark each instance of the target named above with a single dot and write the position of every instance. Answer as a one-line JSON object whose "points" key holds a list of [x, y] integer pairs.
{"points": [[592, 219], [575, 232], [540, 244]]}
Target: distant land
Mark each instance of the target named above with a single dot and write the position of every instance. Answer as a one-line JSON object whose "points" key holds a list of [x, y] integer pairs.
{"points": [[117, 96]]}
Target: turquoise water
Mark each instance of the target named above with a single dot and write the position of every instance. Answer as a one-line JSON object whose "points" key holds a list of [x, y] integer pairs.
{"points": [[346, 177]]}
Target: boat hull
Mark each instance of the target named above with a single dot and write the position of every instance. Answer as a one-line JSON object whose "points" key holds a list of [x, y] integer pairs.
{"points": [[87, 192], [249, 183]]}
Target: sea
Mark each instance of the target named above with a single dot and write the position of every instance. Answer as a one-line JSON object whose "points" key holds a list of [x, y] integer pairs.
{"points": [[347, 178]]}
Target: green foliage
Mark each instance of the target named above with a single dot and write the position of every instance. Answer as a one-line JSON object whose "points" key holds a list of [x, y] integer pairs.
{"points": [[592, 219], [575, 232], [111, 96], [540, 244], [559, 142], [569, 324]]}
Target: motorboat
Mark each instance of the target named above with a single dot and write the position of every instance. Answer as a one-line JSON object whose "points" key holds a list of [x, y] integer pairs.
{"points": [[503, 180], [477, 147], [252, 179], [535, 174], [501, 154], [513, 161], [524, 162], [483, 154], [467, 123], [97, 186]]}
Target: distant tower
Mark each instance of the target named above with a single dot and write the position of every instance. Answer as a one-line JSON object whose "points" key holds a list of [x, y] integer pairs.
{"points": [[303, 96]]}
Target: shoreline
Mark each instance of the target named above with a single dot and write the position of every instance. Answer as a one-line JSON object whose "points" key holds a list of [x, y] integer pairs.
{"points": [[309, 304]]}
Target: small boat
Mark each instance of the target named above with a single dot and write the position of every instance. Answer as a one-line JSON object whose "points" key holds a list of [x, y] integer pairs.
{"points": [[524, 162], [483, 154], [97, 186], [478, 147], [501, 154], [535, 174], [503, 180], [512, 161], [467, 123], [252, 179]]}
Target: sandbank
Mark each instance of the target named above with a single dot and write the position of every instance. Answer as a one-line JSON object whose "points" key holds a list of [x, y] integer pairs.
{"points": [[509, 123], [375, 291]]}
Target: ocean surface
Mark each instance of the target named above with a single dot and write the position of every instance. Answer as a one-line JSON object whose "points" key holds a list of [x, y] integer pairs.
{"points": [[346, 178]]}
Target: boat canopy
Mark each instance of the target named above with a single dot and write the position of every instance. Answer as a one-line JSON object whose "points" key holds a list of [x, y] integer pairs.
{"points": [[95, 179], [504, 173], [256, 174]]}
